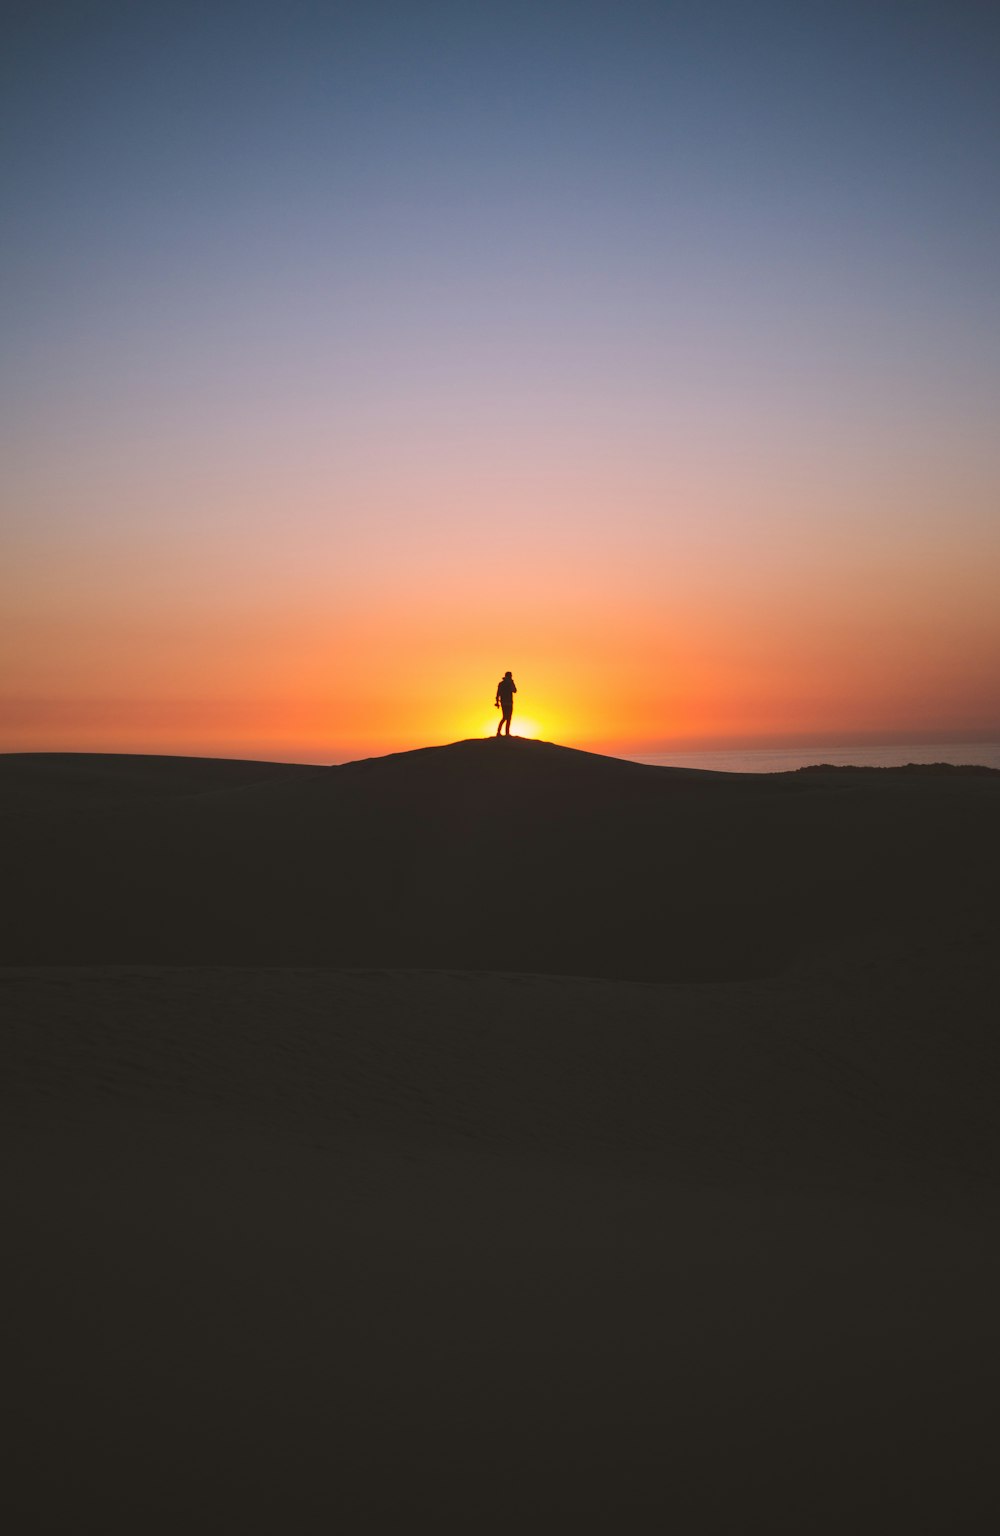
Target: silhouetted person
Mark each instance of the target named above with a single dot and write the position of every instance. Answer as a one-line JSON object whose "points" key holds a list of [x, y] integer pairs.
{"points": [[506, 689]]}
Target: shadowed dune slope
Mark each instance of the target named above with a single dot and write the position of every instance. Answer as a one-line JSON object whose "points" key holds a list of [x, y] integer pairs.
{"points": [[492, 855], [310, 1250]]}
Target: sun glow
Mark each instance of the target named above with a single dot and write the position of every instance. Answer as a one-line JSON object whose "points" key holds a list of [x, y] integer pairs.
{"points": [[520, 725]]}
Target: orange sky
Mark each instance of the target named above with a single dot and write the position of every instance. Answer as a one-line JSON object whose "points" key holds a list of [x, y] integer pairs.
{"points": [[261, 642]]}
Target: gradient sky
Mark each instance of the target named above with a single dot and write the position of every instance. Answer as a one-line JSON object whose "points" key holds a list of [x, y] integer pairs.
{"points": [[353, 354]]}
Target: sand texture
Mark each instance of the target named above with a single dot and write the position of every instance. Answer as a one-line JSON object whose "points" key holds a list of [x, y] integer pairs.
{"points": [[500, 1137]]}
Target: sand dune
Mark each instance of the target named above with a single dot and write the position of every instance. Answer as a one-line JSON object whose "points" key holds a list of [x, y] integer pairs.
{"points": [[702, 1237]]}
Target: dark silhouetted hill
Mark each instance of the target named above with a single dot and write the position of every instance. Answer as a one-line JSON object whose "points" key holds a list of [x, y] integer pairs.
{"points": [[492, 855]]}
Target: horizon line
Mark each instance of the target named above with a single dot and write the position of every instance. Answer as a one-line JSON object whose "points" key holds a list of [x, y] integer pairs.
{"points": [[653, 757]]}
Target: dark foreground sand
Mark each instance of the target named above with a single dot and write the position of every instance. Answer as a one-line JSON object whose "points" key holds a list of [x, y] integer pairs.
{"points": [[295, 1239]]}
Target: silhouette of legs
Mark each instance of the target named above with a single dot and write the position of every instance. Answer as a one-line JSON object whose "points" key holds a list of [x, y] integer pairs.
{"points": [[504, 721]]}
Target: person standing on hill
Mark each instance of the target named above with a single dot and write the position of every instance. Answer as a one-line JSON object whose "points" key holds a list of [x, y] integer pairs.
{"points": [[506, 689]]}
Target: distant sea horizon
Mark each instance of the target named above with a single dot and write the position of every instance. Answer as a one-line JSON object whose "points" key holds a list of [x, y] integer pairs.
{"points": [[786, 759]]}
